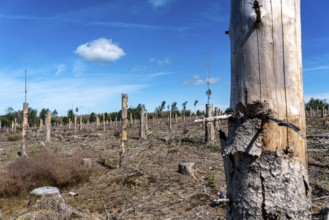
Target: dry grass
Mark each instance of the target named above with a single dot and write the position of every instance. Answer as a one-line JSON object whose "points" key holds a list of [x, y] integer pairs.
{"points": [[24, 174]]}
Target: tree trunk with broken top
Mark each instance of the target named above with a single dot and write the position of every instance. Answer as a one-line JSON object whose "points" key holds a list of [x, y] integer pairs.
{"points": [[124, 125], [24, 129], [265, 163]]}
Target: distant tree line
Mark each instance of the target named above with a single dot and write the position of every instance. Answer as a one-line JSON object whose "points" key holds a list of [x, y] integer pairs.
{"points": [[316, 103], [34, 116]]}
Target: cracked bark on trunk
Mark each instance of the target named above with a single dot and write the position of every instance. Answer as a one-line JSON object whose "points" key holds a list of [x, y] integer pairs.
{"points": [[266, 164]]}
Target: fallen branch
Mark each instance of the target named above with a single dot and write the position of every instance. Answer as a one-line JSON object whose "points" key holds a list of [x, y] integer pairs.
{"points": [[323, 197], [107, 214], [214, 118]]}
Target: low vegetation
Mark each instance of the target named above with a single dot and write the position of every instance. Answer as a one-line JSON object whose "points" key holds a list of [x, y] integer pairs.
{"points": [[43, 169]]}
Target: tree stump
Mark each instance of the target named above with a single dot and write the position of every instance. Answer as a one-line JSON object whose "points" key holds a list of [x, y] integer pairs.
{"points": [[49, 198], [187, 169]]}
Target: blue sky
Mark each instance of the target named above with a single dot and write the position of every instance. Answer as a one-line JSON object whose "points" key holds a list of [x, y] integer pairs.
{"points": [[86, 53]]}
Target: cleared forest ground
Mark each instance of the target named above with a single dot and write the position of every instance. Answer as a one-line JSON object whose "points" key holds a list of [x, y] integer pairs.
{"points": [[149, 186]]}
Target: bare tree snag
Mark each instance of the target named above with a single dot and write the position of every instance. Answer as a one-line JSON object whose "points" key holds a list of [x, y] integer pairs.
{"points": [[104, 122], [80, 123], [146, 117], [170, 121], [48, 127], [24, 129], [124, 124], [142, 135], [209, 127], [265, 163], [75, 124], [216, 122]]}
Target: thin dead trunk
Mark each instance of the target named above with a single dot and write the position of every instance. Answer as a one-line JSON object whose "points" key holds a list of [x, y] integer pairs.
{"points": [[124, 124], [48, 127], [24, 129], [209, 127], [142, 135]]}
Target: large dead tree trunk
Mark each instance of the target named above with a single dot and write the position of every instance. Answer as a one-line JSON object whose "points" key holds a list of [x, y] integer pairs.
{"points": [[265, 163]]}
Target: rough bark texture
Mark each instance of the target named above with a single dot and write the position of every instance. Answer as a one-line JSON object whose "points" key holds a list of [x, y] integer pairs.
{"points": [[265, 164], [216, 122], [209, 127], [124, 125], [24, 129]]}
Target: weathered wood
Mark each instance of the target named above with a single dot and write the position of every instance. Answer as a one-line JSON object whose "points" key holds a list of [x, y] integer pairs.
{"points": [[24, 129], [170, 121], [48, 127], [213, 118], [142, 135], [266, 166], [209, 127], [124, 124]]}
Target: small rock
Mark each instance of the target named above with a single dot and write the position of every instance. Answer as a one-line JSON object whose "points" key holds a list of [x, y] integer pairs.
{"points": [[2, 151], [73, 194], [187, 169], [87, 162]]}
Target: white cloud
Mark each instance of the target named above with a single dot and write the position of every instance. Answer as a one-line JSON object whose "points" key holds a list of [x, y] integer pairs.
{"points": [[100, 51], [197, 81], [160, 3], [165, 61]]}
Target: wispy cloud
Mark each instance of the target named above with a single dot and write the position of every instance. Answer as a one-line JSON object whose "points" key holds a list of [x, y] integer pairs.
{"points": [[79, 68], [137, 26], [19, 17], [100, 51], [165, 61], [197, 81], [160, 3], [321, 96], [154, 75], [60, 68], [139, 69], [61, 93], [325, 67]]}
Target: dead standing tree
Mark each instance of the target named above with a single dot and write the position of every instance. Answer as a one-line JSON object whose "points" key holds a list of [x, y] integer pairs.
{"points": [[265, 155], [124, 125], [25, 122], [48, 127]]}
